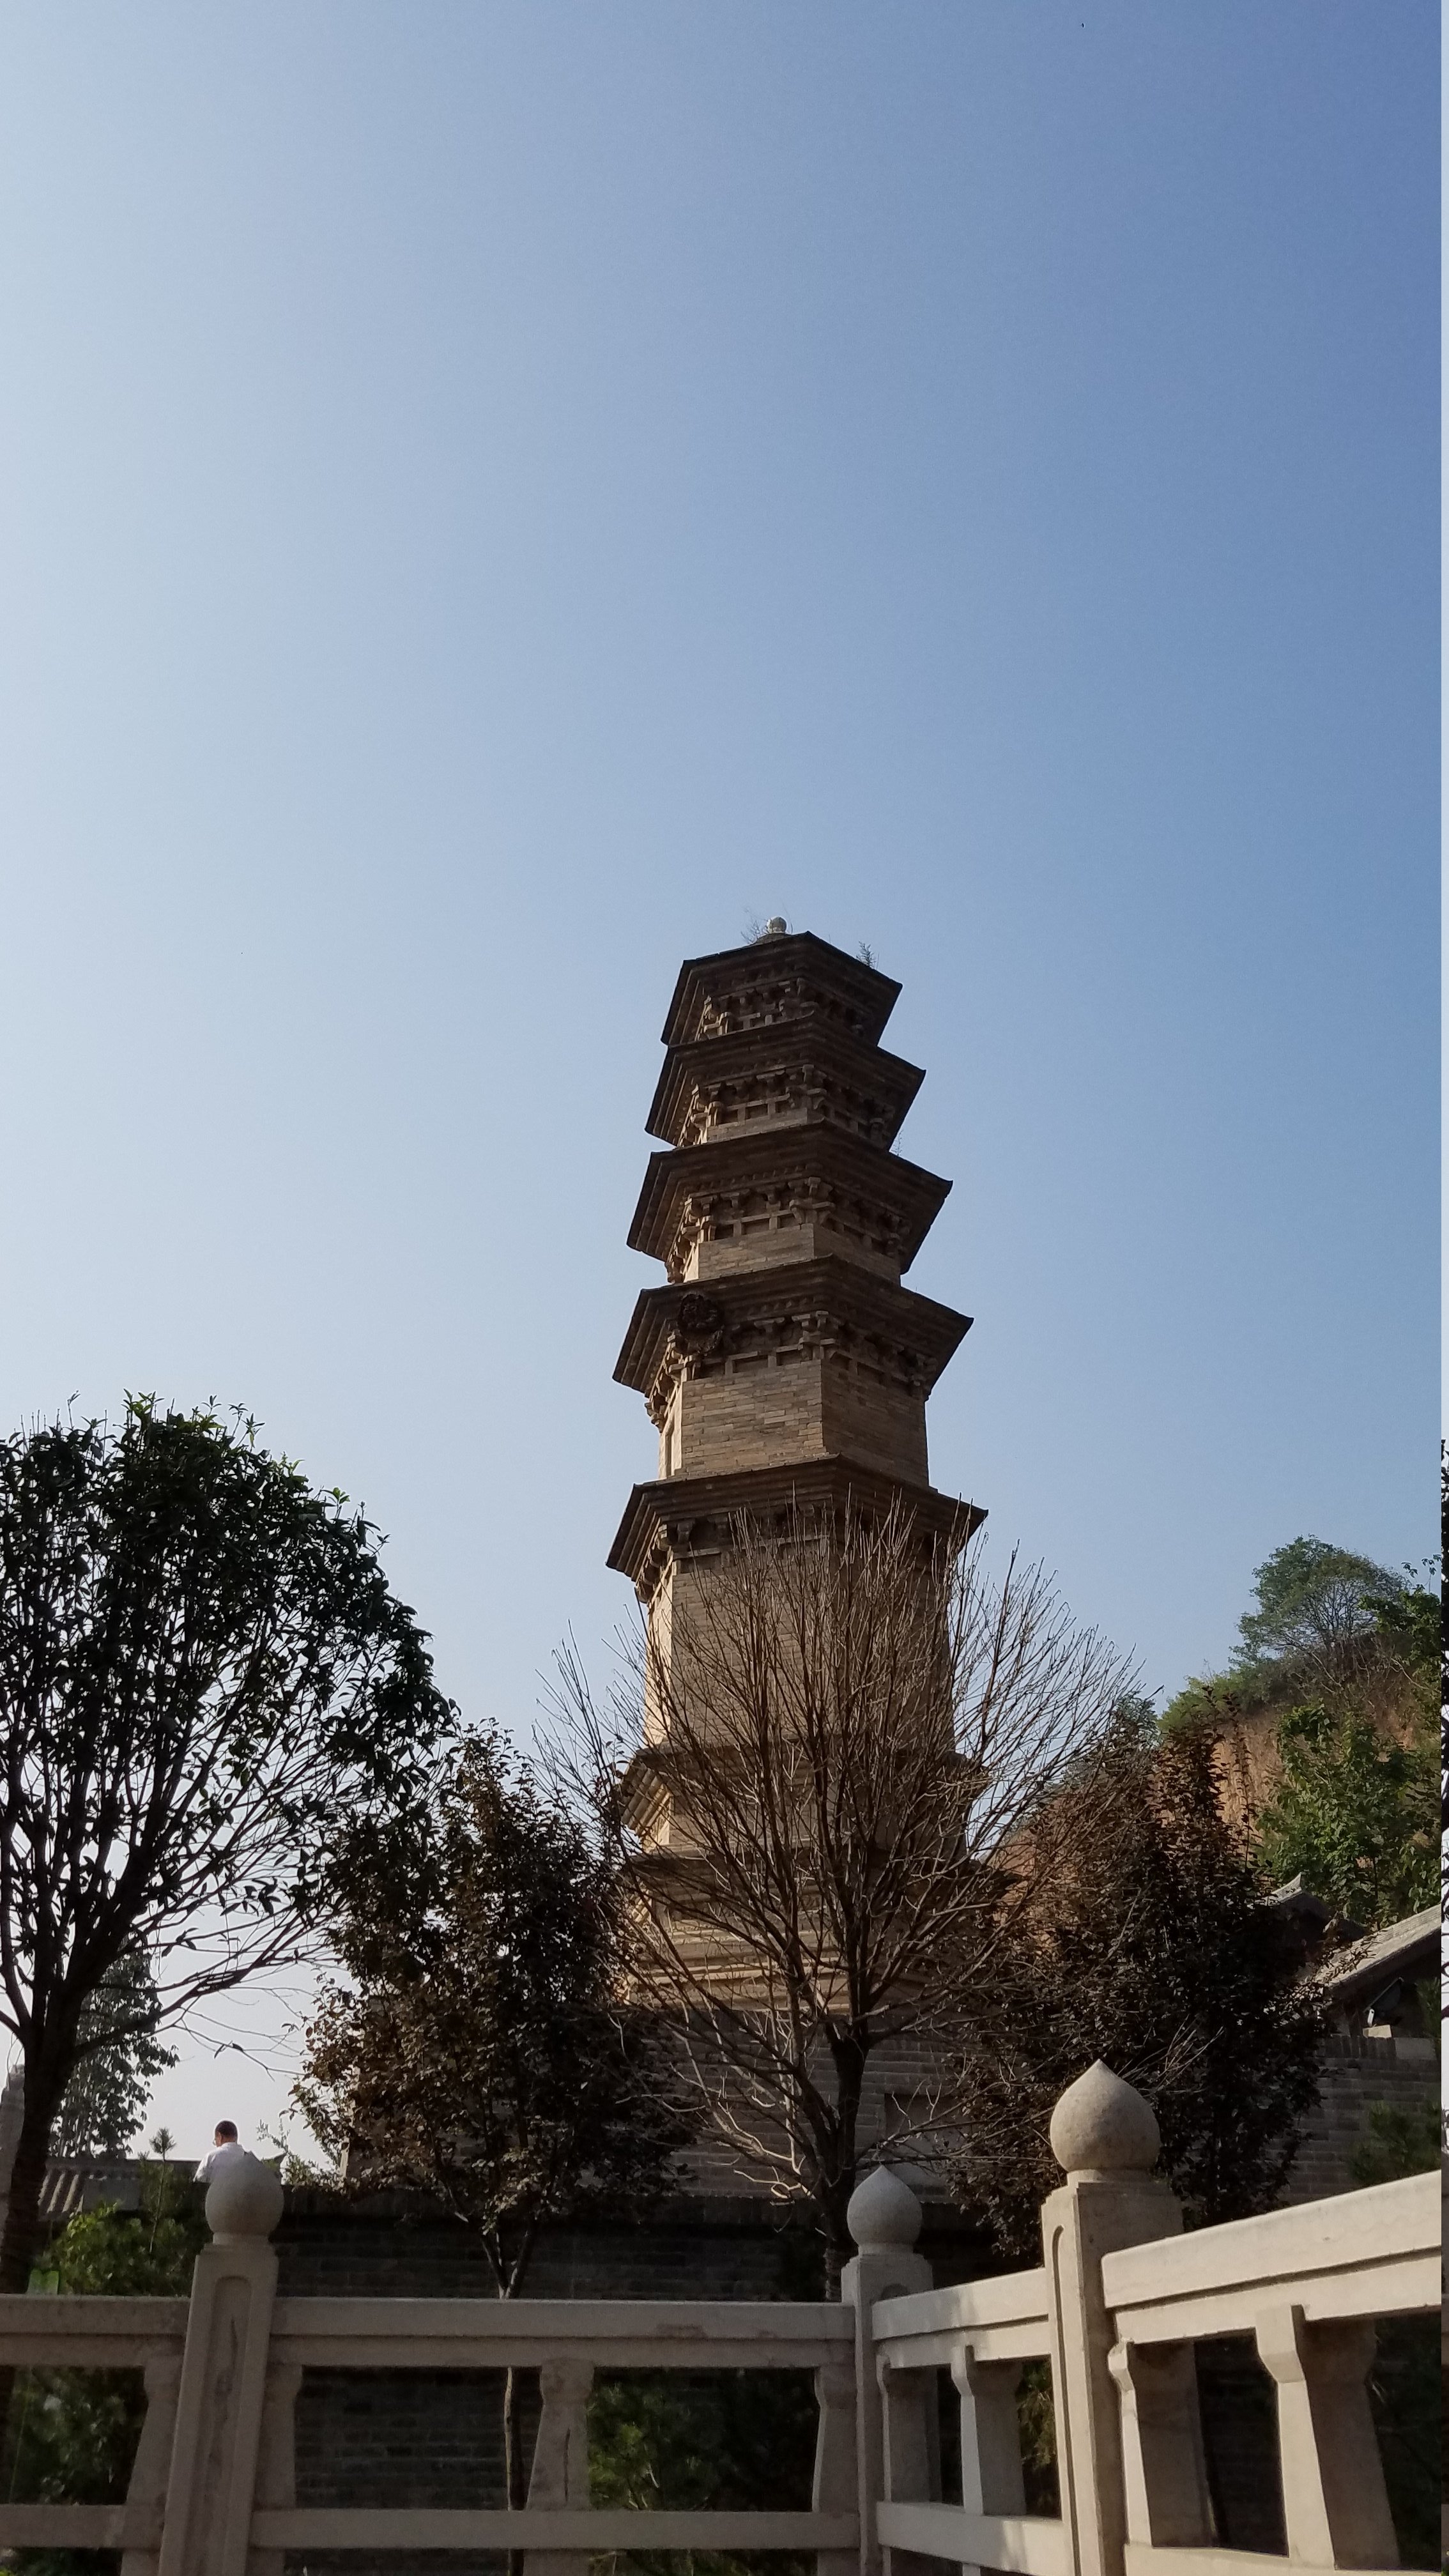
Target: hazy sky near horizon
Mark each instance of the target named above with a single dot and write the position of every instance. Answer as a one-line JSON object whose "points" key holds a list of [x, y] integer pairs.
{"points": [[492, 498]]}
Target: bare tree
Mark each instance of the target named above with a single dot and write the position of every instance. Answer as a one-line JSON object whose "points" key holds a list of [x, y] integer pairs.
{"points": [[826, 1781]]}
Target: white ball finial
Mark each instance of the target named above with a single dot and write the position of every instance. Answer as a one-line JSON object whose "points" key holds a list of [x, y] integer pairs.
{"points": [[244, 2197], [1102, 2125], [776, 927], [884, 2213]]}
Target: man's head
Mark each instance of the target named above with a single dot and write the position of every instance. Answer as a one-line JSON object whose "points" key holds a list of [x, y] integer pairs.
{"points": [[225, 2133]]}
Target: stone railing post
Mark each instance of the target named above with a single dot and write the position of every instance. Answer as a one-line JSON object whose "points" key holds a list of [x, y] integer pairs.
{"points": [[212, 2486], [560, 2472], [1105, 2137], [895, 2445], [1335, 2504]]}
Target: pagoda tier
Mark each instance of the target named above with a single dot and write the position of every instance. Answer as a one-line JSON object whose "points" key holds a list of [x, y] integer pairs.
{"points": [[794, 1360], [790, 1073], [769, 1195], [784, 976], [682, 1520]]}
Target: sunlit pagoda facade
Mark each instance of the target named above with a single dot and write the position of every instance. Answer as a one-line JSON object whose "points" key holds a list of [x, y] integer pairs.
{"points": [[784, 1364]]}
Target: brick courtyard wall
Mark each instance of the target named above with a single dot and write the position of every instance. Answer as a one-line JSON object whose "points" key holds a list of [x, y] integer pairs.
{"points": [[1357, 2073], [435, 2437]]}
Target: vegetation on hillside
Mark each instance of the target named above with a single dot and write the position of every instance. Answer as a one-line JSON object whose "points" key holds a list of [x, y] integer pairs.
{"points": [[1340, 1657], [1355, 1815]]}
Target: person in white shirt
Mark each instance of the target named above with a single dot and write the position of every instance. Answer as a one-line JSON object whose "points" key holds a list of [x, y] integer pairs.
{"points": [[224, 2145]]}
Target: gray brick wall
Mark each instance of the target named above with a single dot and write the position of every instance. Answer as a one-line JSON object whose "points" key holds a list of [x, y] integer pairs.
{"points": [[1357, 2073], [435, 2437]]}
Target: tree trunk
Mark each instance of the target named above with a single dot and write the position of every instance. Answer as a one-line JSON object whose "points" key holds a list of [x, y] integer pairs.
{"points": [[834, 2189], [22, 2213], [21, 2234], [515, 2492]]}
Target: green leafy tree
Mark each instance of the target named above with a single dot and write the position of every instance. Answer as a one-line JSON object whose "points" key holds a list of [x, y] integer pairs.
{"points": [[1356, 1813], [1329, 1625], [1313, 1602], [119, 2061], [1149, 1948], [1410, 1622], [480, 2051], [201, 1669]]}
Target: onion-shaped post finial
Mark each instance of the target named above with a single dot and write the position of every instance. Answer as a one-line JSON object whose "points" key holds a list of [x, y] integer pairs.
{"points": [[1102, 2125], [244, 2197], [884, 2214]]}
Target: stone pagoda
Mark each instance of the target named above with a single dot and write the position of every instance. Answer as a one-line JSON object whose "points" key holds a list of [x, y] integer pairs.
{"points": [[784, 1365]]}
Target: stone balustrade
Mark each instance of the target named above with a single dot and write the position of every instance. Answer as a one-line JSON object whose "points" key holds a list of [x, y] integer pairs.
{"points": [[1116, 2309]]}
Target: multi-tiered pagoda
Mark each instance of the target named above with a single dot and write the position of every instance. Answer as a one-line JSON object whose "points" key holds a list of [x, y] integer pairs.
{"points": [[784, 1366]]}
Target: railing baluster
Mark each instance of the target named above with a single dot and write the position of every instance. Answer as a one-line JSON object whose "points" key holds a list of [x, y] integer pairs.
{"points": [[1164, 2474], [1335, 2504], [152, 2464], [560, 2473], [991, 2480], [212, 2487], [1105, 2137], [277, 2454], [912, 2452]]}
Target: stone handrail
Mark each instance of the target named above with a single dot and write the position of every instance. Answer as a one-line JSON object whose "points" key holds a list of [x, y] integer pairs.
{"points": [[213, 2489], [1116, 2307], [1365, 2254], [618, 2334]]}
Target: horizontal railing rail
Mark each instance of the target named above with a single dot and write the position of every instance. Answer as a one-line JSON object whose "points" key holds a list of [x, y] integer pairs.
{"points": [[1006, 2318], [1367, 2253], [54, 2333], [1021, 2544], [80, 2526], [586, 2530], [522, 2334]]}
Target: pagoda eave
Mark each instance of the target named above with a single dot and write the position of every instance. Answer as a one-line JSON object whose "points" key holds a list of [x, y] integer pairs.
{"points": [[704, 1316], [765, 1158], [768, 968], [666, 1511], [887, 1080]]}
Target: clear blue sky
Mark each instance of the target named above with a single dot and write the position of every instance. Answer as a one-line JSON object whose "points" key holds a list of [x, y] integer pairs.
{"points": [[495, 495]]}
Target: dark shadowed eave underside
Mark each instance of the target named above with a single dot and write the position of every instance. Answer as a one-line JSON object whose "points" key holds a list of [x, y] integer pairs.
{"points": [[664, 1513]]}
